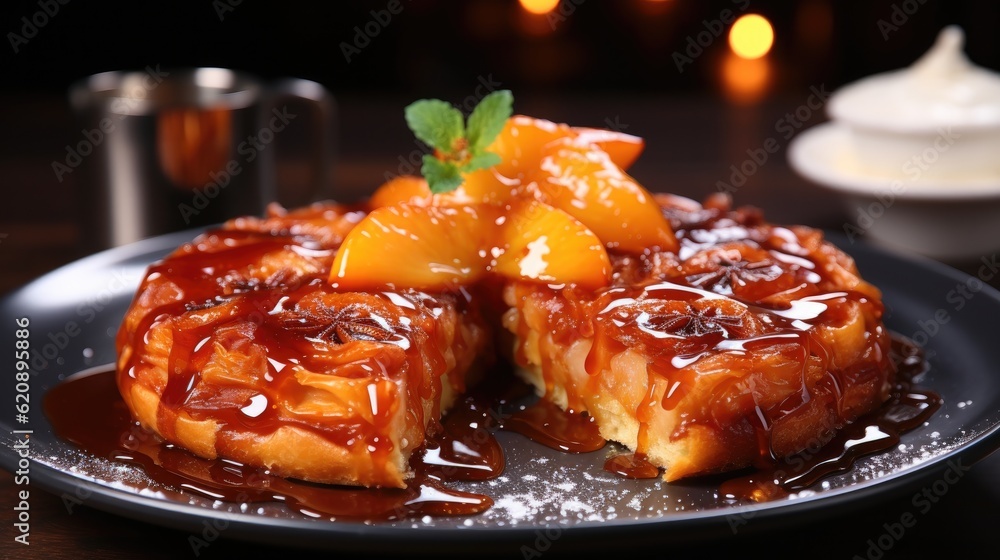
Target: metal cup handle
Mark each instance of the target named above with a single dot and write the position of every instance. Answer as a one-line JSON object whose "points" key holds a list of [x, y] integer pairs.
{"points": [[322, 136]]}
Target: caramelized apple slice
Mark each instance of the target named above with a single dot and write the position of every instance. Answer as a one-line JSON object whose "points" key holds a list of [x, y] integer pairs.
{"points": [[524, 140], [521, 145], [487, 186], [404, 189], [623, 149], [586, 184], [443, 247], [542, 243], [422, 247], [484, 186], [413, 190]]}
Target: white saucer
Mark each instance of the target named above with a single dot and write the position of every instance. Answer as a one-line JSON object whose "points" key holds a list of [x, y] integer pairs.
{"points": [[954, 222], [822, 154]]}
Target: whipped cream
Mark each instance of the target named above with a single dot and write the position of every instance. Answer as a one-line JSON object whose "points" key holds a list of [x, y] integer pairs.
{"points": [[941, 89]]}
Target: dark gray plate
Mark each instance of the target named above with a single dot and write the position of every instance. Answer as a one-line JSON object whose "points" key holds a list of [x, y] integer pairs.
{"points": [[544, 494]]}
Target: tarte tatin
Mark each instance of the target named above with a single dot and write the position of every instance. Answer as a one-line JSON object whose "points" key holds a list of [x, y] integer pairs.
{"points": [[326, 343]]}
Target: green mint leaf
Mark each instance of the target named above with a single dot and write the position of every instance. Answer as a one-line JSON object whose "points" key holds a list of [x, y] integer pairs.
{"points": [[436, 123], [484, 160], [460, 146], [488, 119], [442, 176]]}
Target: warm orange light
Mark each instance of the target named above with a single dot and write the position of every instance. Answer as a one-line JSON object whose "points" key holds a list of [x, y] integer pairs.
{"points": [[745, 80], [751, 36], [539, 6], [653, 7]]}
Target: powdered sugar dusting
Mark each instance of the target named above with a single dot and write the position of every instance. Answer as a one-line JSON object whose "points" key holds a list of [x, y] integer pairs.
{"points": [[542, 487]]}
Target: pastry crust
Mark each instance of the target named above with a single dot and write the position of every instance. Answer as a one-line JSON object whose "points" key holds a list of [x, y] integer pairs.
{"points": [[753, 343], [235, 347], [750, 343]]}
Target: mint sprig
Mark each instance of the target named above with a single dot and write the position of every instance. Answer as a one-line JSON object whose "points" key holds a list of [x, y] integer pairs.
{"points": [[459, 147]]}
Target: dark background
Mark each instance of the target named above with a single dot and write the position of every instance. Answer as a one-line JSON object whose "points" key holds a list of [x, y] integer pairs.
{"points": [[617, 57], [437, 47], [590, 63], [606, 62]]}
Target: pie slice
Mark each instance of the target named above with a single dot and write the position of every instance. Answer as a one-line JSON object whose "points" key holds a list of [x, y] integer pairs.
{"points": [[326, 343], [751, 343], [236, 346]]}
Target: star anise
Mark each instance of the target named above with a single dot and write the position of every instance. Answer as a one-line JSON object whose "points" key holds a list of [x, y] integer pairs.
{"points": [[198, 306], [337, 325], [679, 327], [234, 283], [726, 274], [700, 320]]}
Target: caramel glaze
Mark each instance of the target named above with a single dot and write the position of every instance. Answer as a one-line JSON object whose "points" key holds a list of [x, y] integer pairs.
{"points": [[88, 412], [755, 294], [908, 408], [256, 293], [768, 288], [631, 465], [565, 430]]}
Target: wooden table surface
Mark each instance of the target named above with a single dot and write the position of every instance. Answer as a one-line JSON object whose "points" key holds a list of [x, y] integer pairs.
{"points": [[692, 142]]}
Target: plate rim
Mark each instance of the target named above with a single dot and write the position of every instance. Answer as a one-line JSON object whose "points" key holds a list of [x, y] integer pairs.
{"points": [[823, 171], [183, 516]]}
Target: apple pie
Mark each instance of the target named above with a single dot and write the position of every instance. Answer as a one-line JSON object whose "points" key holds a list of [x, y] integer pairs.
{"points": [[326, 343]]}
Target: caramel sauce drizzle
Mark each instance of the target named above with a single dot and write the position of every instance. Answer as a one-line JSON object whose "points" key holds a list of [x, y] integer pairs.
{"points": [[89, 412], [294, 319], [738, 287]]}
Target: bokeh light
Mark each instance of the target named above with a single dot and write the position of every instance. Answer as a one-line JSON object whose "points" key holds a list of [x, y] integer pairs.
{"points": [[751, 36], [745, 80], [539, 6]]}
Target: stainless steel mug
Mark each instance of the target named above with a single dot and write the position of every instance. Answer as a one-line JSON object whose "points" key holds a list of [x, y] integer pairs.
{"points": [[173, 149]]}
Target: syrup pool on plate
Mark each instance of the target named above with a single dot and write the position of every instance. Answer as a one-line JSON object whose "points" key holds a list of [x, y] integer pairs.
{"points": [[87, 411]]}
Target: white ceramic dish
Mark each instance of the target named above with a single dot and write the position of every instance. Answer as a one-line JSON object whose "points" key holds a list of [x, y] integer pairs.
{"points": [[939, 116], [955, 221]]}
